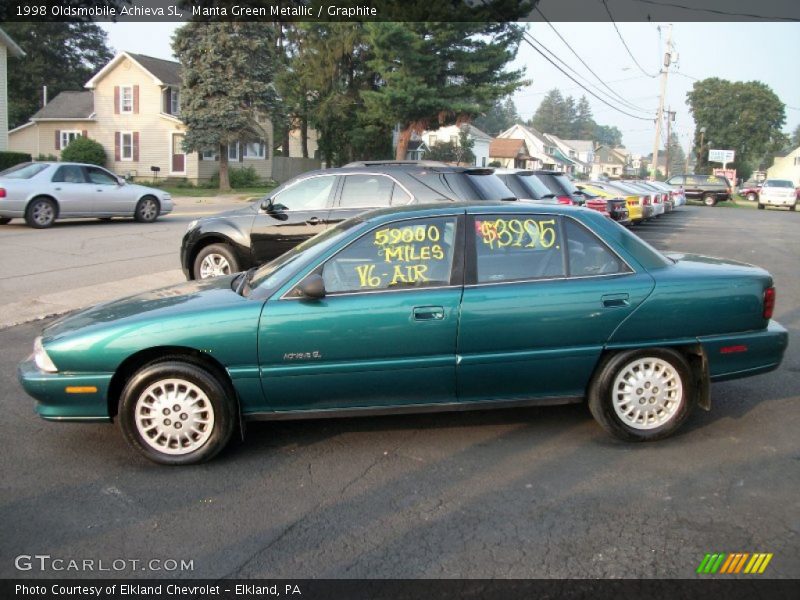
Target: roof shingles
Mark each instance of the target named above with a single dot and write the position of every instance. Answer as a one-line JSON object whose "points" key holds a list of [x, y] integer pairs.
{"points": [[67, 105]]}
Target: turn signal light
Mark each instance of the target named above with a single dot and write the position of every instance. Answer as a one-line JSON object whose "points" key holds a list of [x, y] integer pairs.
{"points": [[769, 302]]}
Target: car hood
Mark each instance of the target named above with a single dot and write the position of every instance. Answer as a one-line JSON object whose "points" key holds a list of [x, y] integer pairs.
{"points": [[245, 211], [174, 301], [143, 189]]}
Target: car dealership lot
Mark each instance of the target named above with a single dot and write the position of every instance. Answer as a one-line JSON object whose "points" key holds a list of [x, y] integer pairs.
{"points": [[519, 493]]}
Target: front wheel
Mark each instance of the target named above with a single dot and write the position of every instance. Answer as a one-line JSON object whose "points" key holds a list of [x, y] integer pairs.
{"points": [[176, 413], [147, 210], [215, 260], [752, 197], [761, 206], [41, 213], [710, 200], [642, 395]]}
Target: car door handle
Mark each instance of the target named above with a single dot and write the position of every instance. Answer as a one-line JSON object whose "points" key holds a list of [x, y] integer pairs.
{"points": [[313, 221], [58, 189], [615, 300], [428, 313], [99, 189]]}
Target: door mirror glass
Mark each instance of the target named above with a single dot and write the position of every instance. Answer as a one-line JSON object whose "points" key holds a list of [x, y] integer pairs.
{"points": [[312, 287]]}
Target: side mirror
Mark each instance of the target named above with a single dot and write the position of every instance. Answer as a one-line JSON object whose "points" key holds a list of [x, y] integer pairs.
{"points": [[120, 181], [266, 204], [312, 287]]}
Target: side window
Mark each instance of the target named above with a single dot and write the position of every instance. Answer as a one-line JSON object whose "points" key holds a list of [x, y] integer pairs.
{"points": [[309, 194], [692, 180], [100, 177], [366, 191], [417, 253], [69, 174], [677, 180], [588, 255], [400, 196], [518, 248]]}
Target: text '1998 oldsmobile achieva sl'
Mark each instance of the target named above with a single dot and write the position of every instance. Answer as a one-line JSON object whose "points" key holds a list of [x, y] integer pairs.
{"points": [[430, 307]]}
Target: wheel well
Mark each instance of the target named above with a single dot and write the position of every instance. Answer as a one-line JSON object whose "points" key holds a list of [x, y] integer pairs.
{"points": [[149, 196], [203, 243], [48, 197], [136, 361]]}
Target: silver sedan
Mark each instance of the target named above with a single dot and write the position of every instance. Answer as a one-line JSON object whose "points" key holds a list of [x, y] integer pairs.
{"points": [[41, 192]]}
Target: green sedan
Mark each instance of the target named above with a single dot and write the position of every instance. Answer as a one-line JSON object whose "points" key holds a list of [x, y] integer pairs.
{"points": [[424, 308]]}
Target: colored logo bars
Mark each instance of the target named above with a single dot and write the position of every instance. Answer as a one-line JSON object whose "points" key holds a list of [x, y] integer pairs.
{"points": [[737, 562]]}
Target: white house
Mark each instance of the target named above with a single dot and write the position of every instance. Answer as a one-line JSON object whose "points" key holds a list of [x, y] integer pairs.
{"points": [[8, 47], [539, 147], [451, 133]]}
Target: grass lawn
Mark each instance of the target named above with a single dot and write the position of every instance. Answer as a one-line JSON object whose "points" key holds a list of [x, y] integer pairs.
{"points": [[197, 192]]}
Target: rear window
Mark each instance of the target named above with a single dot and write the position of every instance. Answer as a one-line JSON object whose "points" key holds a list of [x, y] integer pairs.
{"points": [[490, 187], [534, 185], [23, 171], [557, 183], [781, 183]]}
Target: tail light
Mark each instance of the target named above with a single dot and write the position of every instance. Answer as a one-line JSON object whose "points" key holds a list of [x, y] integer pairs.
{"points": [[769, 302], [2, 192], [565, 200], [646, 200]]}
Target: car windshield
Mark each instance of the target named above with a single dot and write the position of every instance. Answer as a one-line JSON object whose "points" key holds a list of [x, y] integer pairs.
{"points": [[270, 276], [490, 186], [23, 171], [781, 183], [534, 186]]}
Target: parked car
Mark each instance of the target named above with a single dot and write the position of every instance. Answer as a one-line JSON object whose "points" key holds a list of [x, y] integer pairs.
{"points": [[527, 186], [666, 195], [750, 190], [778, 192], [675, 193], [632, 201], [656, 196], [315, 201], [645, 199], [560, 185], [437, 307], [43, 192], [613, 207], [708, 188]]}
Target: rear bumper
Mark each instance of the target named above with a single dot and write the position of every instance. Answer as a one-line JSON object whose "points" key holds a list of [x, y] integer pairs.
{"points": [[744, 354], [55, 403]]}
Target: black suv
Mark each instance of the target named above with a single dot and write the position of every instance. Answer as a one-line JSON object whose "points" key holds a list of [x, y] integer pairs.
{"points": [[708, 188], [312, 202]]}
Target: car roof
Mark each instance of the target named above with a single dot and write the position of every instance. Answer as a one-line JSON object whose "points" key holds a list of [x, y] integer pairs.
{"points": [[505, 206], [395, 167]]}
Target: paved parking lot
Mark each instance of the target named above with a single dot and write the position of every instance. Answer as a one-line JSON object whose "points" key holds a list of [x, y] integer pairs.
{"points": [[514, 493]]}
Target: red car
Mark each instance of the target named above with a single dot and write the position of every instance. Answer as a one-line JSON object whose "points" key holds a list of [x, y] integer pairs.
{"points": [[750, 190]]}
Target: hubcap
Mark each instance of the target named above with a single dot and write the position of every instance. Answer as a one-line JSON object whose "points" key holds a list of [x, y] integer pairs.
{"points": [[214, 265], [647, 393], [43, 213], [174, 416], [148, 210]]}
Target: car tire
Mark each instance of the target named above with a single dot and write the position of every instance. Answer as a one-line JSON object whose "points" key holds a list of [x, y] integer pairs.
{"points": [[214, 261], [761, 206], [618, 394], [5, 220], [176, 413], [41, 213], [710, 200], [752, 197], [147, 210]]}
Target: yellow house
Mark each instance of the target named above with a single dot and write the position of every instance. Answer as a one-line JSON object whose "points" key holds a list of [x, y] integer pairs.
{"points": [[132, 107], [786, 167]]}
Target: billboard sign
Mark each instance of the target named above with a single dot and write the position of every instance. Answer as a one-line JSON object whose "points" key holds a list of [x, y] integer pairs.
{"points": [[721, 156]]}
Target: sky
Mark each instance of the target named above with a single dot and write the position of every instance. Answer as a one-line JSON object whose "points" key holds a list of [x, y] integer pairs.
{"points": [[766, 52]]}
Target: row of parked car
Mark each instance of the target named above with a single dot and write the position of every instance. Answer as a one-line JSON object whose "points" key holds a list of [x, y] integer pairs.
{"points": [[315, 201], [771, 192]]}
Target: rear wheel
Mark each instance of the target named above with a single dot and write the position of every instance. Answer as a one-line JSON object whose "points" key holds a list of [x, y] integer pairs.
{"points": [[176, 413], [4, 220], [41, 213], [793, 206], [641, 395], [760, 206], [215, 260], [147, 210], [752, 197], [710, 200]]}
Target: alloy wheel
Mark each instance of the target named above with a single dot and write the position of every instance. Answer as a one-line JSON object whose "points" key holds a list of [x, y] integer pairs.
{"points": [[647, 393]]}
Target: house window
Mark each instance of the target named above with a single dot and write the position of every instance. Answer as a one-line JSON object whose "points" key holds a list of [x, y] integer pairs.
{"points": [[174, 101], [67, 137], [254, 150], [126, 99], [126, 145], [210, 154], [233, 151]]}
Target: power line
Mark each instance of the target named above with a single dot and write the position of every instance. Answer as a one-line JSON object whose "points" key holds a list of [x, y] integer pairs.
{"points": [[715, 11], [527, 38], [583, 62], [576, 87], [610, 16]]}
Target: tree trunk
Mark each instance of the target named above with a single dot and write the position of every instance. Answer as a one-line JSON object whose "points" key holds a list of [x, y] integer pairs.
{"points": [[285, 142], [224, 180], [402, 143], [304, 135]]}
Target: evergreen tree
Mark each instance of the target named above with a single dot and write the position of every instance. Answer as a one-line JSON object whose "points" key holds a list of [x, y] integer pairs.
{"points": [[550, 117], [498, 118], [795, 137], [434, 74], [228, 91], [62, 56], [677, 157], [606, 135], [584, 125]]}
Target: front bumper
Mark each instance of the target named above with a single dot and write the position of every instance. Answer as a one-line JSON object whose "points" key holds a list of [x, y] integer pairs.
{"points": [[66, 396], [787, 201], [732, 356]]}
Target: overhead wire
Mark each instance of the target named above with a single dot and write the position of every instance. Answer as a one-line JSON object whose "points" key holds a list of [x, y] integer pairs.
{"points": [[624, 43]]}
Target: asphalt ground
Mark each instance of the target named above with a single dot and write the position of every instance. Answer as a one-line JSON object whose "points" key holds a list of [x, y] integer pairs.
{"points": [[524, 493]]}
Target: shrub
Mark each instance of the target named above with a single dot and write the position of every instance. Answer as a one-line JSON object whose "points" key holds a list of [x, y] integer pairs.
{"points": [[84, 150], [47, 157], [494, 163], [239, 178], [10, 159]]}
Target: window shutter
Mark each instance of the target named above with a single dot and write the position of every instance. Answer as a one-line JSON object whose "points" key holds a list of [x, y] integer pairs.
{"points": [[116, 145], [136, 99], [167, 101], [240, 148], [85, 133], [135, 146], [116, 100], [58, 139]]}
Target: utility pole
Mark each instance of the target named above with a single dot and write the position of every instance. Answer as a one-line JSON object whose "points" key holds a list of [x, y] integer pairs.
{"points": [[670, 119], [660, 115]]}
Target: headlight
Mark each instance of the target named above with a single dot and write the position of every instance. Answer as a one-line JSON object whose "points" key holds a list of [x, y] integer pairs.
{"points": [[40, 357], [192, 225]]}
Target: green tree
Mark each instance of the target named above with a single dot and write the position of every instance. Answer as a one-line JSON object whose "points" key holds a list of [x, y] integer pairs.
{"points": [[583, 126], [227, 90], [795, 137], [84, 150], [746, 117], [62, 56], [606, 135], [459, 153], [500, 117], [438, 73], [551, 116], [677, 157]]}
